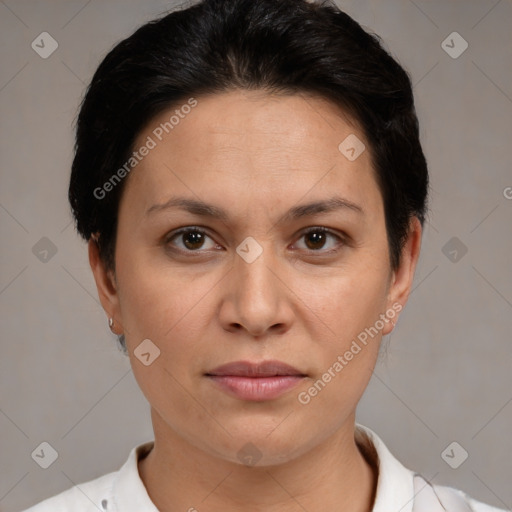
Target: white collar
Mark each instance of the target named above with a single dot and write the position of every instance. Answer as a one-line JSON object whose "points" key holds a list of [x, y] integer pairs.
{"points": [[395, 489], [395, 486], [128, 491]]}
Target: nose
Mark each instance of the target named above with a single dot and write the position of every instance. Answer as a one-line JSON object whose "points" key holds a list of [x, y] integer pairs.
{"points": [[256, 297]]}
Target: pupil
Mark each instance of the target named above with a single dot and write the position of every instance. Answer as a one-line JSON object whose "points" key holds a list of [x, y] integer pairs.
{"points": [[317, 238], [193, 240]]}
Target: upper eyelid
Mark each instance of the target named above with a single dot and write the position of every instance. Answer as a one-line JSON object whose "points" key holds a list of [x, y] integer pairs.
{"points": [[187, 229]]}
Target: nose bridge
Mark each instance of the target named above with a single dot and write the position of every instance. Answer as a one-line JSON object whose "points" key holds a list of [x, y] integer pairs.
{"points": [[252, 267], [256, 293]]}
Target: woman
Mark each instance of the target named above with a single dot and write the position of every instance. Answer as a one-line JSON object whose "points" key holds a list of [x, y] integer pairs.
{"points": [[249, 178]]}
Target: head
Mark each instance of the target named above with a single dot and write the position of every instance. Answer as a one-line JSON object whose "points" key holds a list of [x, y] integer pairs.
{"points": [[283, 139]]}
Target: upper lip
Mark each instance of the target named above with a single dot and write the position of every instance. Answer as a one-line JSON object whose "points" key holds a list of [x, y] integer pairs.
{"points": [[250, 369]]}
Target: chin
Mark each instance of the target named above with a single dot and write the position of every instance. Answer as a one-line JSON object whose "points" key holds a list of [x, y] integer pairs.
{"points": [[259, 444]]}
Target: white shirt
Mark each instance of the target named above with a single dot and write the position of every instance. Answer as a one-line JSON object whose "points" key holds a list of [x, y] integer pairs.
{"points": [[398, 489]]}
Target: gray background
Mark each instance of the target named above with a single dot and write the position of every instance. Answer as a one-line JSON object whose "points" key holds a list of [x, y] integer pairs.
{"points": [[447, 373]]}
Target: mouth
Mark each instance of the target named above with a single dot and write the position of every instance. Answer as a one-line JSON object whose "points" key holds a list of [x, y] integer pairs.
{"points": [[256, 381], [263, 369]]}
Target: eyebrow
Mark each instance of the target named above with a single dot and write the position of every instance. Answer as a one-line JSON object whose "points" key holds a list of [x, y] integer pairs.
{"points": [[203, 209]]}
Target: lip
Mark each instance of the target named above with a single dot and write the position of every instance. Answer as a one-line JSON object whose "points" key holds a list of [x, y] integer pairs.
{"points": [[249, 369], [258, 382]]}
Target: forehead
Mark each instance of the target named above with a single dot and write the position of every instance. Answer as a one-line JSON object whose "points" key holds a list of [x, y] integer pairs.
{"points": [[299, 121], [256, 142]]}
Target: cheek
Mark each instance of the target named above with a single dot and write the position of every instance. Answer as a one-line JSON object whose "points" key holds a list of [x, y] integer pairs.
{"points": [[348, 334], [158, 301], [350, 300], [165, 307]]}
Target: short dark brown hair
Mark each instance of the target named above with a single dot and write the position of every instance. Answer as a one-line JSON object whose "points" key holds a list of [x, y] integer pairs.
{"points": [[213, 46]]}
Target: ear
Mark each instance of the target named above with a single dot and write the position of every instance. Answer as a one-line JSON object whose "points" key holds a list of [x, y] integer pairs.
{"points": [[402, 278], [106, 285]]}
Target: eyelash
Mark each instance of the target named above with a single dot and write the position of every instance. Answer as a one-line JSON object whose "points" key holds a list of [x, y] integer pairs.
{"points": [[313, 229]]}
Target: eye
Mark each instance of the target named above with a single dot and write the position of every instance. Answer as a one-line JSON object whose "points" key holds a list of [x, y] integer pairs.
{"points": [[192, 239], [316, 238]]}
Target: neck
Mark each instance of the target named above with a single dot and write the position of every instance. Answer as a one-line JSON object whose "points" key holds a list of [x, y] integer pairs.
{"points": [[334, 474]]}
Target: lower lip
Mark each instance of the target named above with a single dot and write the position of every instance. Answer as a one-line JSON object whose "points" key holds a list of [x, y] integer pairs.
{"points": [[257, 389]]}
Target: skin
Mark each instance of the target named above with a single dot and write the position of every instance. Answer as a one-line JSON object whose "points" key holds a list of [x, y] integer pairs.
{"points": [[256, 155]]}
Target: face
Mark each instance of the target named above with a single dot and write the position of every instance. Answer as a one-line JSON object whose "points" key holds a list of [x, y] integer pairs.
{"points": [[246, 235]]}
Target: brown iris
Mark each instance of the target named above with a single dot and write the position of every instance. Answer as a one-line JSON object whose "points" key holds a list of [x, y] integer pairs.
{"points": [[193, 239], [315, 240]]}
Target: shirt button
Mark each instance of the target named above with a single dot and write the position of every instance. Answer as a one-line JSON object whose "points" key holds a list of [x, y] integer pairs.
{"points": [[104, 504]]}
